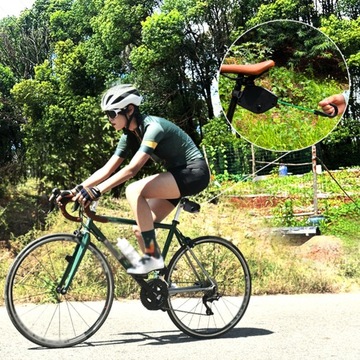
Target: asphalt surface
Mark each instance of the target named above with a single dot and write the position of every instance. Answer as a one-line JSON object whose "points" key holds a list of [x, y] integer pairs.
{"points": [[291, 327]]}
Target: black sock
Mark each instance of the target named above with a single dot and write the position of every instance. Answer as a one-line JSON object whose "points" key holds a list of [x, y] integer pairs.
{"points": [[151, 246]]}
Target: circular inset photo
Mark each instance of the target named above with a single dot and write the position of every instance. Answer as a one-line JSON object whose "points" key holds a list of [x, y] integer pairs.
{"points": [[272, 80]]}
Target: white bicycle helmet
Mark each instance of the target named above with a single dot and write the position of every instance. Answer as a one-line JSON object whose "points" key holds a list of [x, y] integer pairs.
{"points": [[119, 97]]}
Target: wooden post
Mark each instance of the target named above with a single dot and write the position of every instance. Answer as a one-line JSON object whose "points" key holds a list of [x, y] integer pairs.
{"points": [[253, 160], [313, 151]]}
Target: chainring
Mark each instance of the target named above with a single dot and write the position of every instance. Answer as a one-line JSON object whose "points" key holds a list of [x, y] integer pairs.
{"points": [[154, 297]]}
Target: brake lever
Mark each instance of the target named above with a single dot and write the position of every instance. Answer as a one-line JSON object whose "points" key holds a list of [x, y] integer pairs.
{"points": [[55, 194], [75, 206], [52, 199]]}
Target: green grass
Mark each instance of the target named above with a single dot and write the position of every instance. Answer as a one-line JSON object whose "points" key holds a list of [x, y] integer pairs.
{"points": [[283, 129]]}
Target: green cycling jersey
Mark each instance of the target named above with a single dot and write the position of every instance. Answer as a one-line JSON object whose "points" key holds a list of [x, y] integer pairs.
{"points": [[164, 141]]}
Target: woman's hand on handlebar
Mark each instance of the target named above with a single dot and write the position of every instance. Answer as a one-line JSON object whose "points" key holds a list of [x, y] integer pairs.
{"points": [[70, 195], [62, 198], [87, 195], [80, 195]]}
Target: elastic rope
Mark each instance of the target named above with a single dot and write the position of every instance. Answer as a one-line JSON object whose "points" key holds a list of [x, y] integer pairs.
{"points": [[338, 184], [295, 106]]}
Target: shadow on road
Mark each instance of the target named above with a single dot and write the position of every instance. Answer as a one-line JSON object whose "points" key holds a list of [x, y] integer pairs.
{"points": [[179, 337], [168, 338]]}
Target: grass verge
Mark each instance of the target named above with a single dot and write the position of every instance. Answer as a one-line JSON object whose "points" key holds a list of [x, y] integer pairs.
{"points": [[277, 264]]}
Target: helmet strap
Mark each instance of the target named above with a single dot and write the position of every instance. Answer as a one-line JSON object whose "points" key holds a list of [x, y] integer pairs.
{"points": [[128, 121], [129, 118]]}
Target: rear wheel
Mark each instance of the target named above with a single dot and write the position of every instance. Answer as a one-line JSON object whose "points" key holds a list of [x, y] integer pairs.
{"points": [[35, 304], [209, 287]]}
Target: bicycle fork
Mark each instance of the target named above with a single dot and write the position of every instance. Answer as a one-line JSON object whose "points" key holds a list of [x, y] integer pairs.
{"points": [[74, 261]]}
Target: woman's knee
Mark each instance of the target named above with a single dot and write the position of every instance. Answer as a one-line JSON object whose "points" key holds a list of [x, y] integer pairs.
{"points": [[132, 190], [136, 231]]}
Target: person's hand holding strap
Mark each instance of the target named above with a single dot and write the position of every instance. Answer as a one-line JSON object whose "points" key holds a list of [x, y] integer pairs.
{"points": [[338, 99]]}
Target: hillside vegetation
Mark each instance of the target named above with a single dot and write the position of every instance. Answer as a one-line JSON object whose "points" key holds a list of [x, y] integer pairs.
{"points": [[247, 213]]}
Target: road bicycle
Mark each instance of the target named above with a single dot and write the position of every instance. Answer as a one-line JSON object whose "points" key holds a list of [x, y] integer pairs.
{"points": [[60, 288], [256, 98]]}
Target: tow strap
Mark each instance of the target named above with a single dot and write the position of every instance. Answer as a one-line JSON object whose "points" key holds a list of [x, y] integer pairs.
{"points": [[259, 100]]}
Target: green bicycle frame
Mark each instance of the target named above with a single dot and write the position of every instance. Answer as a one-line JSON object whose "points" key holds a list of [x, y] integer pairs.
{"points": [[91, 228]]}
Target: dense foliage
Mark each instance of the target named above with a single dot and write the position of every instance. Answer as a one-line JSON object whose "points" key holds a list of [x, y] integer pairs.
{"points": [[59, 56]]}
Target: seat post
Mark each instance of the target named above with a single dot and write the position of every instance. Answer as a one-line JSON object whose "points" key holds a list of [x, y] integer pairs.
{"points": [[179, 209], [236, 93]]}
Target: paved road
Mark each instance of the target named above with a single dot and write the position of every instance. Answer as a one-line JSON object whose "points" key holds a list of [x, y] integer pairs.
{"points": [[274, 327]]}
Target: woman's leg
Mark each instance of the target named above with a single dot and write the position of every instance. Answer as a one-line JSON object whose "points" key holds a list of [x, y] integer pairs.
{"points": [[160, 186], [160, 209]]}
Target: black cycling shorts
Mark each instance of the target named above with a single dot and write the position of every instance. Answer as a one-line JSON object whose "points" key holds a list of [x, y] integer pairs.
{"points": [[190, 178]]}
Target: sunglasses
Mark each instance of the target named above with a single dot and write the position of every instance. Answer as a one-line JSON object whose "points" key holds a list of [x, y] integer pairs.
{"points": [[112, 114]]}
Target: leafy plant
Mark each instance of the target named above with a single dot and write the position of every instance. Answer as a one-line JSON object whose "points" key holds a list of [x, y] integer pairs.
{"points": [[220, 145]]}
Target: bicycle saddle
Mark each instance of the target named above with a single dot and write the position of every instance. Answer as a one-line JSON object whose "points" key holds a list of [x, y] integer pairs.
{"points": [[248, 69]]}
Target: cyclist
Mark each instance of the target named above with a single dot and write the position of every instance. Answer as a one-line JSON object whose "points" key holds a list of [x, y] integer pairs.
{"points": [[153, 197]]}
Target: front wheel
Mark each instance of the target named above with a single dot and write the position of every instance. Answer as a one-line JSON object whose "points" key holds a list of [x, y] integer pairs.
{"points": [[209, 287], [40, 310]]}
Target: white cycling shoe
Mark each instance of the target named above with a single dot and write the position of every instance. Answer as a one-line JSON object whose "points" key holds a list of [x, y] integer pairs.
{"points": [[146, 264]]}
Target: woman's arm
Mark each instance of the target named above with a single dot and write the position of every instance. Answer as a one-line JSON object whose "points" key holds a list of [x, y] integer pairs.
{"points": [[103, 173], [126, 173]]}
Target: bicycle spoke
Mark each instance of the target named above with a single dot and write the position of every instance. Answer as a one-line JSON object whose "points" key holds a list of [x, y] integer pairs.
{"points": [[210, 287], [36, 306]]}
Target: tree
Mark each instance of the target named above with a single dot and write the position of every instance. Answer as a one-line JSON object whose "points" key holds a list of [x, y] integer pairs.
{"points": [[178, 59], [11, 148], [117, 29], [302, 10], [25, 41], [64, 134], [62, 54], [9, 133], [160, 67], [349, 9]]}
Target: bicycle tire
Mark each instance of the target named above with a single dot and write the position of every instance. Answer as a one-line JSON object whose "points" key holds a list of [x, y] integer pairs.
{"points": [[229, 297], [43, 315]]}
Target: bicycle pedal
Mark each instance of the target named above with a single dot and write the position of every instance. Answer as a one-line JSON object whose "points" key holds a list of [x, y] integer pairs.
{"points": [[140, 276]]}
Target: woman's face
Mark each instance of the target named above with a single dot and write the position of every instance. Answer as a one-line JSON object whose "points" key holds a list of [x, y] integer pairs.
{"points": [[118, 122]]}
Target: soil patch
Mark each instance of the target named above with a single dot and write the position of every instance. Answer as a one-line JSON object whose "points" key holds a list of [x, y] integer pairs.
{"points": [[321, 248], [256, 201]]}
